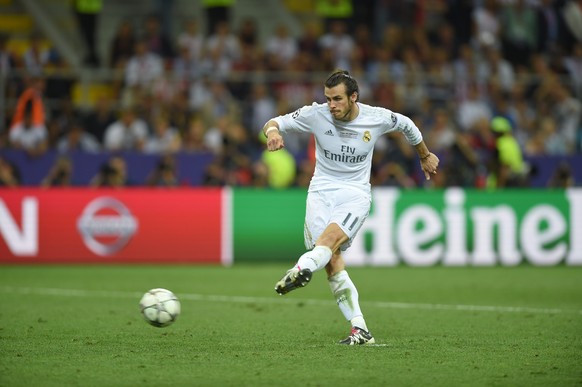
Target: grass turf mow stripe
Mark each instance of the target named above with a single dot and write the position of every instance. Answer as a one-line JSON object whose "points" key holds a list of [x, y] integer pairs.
{"points": [[265, 300]]}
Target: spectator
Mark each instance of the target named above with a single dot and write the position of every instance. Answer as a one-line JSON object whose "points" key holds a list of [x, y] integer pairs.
{"points": [[441, 133], [496, 68], [393, 162], [29, 134], [165, 174], [38, 56], [573, 65], [215, 136], [523, 113], [572, 14], [165, 139], [9, 174], [364, 45], [221, 103], [248, 33], [60, 175], [192, 41], [223, 49], [340, 43], [157, 42], [567, 111], [199, 93], [550, 27], [472, 109], [411, 94], [562, 177], [281, 168], [127, 133], [382, 68], [184, 69], [281, 47], [113, 174], [77, 139], [508, 167], [99, 118], [482, 140], [122, 45], [33, 94], [309, 41], [143, 67], [519, 27], [62, 119], [487, 27], [263, 106], [462, 164], [547, 140], [439, 78], [193, 139]]}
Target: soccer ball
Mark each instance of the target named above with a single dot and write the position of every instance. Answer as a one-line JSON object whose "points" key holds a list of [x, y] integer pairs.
{"points": [[159, 307]]}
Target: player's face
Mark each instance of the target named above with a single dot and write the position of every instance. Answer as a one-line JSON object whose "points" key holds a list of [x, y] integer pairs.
{"points": [[341, 106]]}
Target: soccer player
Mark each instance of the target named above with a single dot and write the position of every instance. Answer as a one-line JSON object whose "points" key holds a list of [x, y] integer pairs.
{"points": [[339, 194]]}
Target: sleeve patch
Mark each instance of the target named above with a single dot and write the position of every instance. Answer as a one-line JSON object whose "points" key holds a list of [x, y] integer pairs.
{"points": [[393, 119], [296, 113]]}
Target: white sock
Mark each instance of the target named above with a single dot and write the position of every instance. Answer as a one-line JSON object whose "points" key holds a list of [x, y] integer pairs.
{"points": [[315, 259], [346, 295]]}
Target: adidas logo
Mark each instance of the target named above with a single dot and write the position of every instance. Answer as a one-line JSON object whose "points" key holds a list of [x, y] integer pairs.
{"points": [[329, 133]]}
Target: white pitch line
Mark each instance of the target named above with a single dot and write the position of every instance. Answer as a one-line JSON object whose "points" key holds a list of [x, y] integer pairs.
{"points": [[277, 300]]}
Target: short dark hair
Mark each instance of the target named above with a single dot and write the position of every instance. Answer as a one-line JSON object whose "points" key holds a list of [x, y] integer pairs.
{"points": [[343, 76]]}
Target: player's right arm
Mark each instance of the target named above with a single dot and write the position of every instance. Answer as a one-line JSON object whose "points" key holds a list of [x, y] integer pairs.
{"points": [[274, 138], [301, 120]]}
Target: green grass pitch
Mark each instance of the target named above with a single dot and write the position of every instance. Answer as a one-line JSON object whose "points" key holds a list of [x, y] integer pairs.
{"points": [[438, 326]]}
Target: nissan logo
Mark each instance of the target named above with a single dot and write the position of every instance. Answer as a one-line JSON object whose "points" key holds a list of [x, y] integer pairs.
{"points": [[106, 226]]}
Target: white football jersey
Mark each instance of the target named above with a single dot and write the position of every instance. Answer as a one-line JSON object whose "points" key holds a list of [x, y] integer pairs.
{"points": [[344, 149]]}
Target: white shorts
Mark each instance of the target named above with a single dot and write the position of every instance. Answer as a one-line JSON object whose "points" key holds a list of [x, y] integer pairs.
{"points": [[346, 207]]}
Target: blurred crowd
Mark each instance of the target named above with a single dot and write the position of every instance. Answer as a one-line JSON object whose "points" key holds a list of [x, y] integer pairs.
{"points": [[488, 82]]}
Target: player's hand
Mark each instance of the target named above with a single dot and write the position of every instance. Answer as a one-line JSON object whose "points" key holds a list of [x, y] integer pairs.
{"points": [[429, 165], [275, 141]]}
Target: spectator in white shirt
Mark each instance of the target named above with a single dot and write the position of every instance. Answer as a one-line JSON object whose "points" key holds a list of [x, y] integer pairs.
{"points": [[282, 47], [340, 43], [165, 139], [191, 40], [26, 135], [127, 133], [143, 67], [472, 109]]}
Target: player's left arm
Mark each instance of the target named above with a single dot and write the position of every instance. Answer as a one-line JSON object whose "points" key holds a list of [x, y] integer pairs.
{"points": [[429, 162]]}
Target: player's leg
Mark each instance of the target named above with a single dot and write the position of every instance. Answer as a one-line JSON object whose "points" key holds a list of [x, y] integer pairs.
{"points": [[320, 239], [351, 211], [347, 297], [313, 260]]}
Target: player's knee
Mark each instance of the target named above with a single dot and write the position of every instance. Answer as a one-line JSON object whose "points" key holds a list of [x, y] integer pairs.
{"points": [[333, 237]]}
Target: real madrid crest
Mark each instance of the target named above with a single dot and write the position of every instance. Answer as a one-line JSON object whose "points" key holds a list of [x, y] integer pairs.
{"points": [[367, 136]]}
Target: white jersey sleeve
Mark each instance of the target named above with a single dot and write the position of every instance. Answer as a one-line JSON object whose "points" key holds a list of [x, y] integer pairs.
{"points": [[343, 150]]}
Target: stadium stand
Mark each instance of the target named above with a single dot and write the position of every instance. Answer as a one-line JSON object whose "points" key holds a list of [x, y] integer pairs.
{"points": [[418, 58]]}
